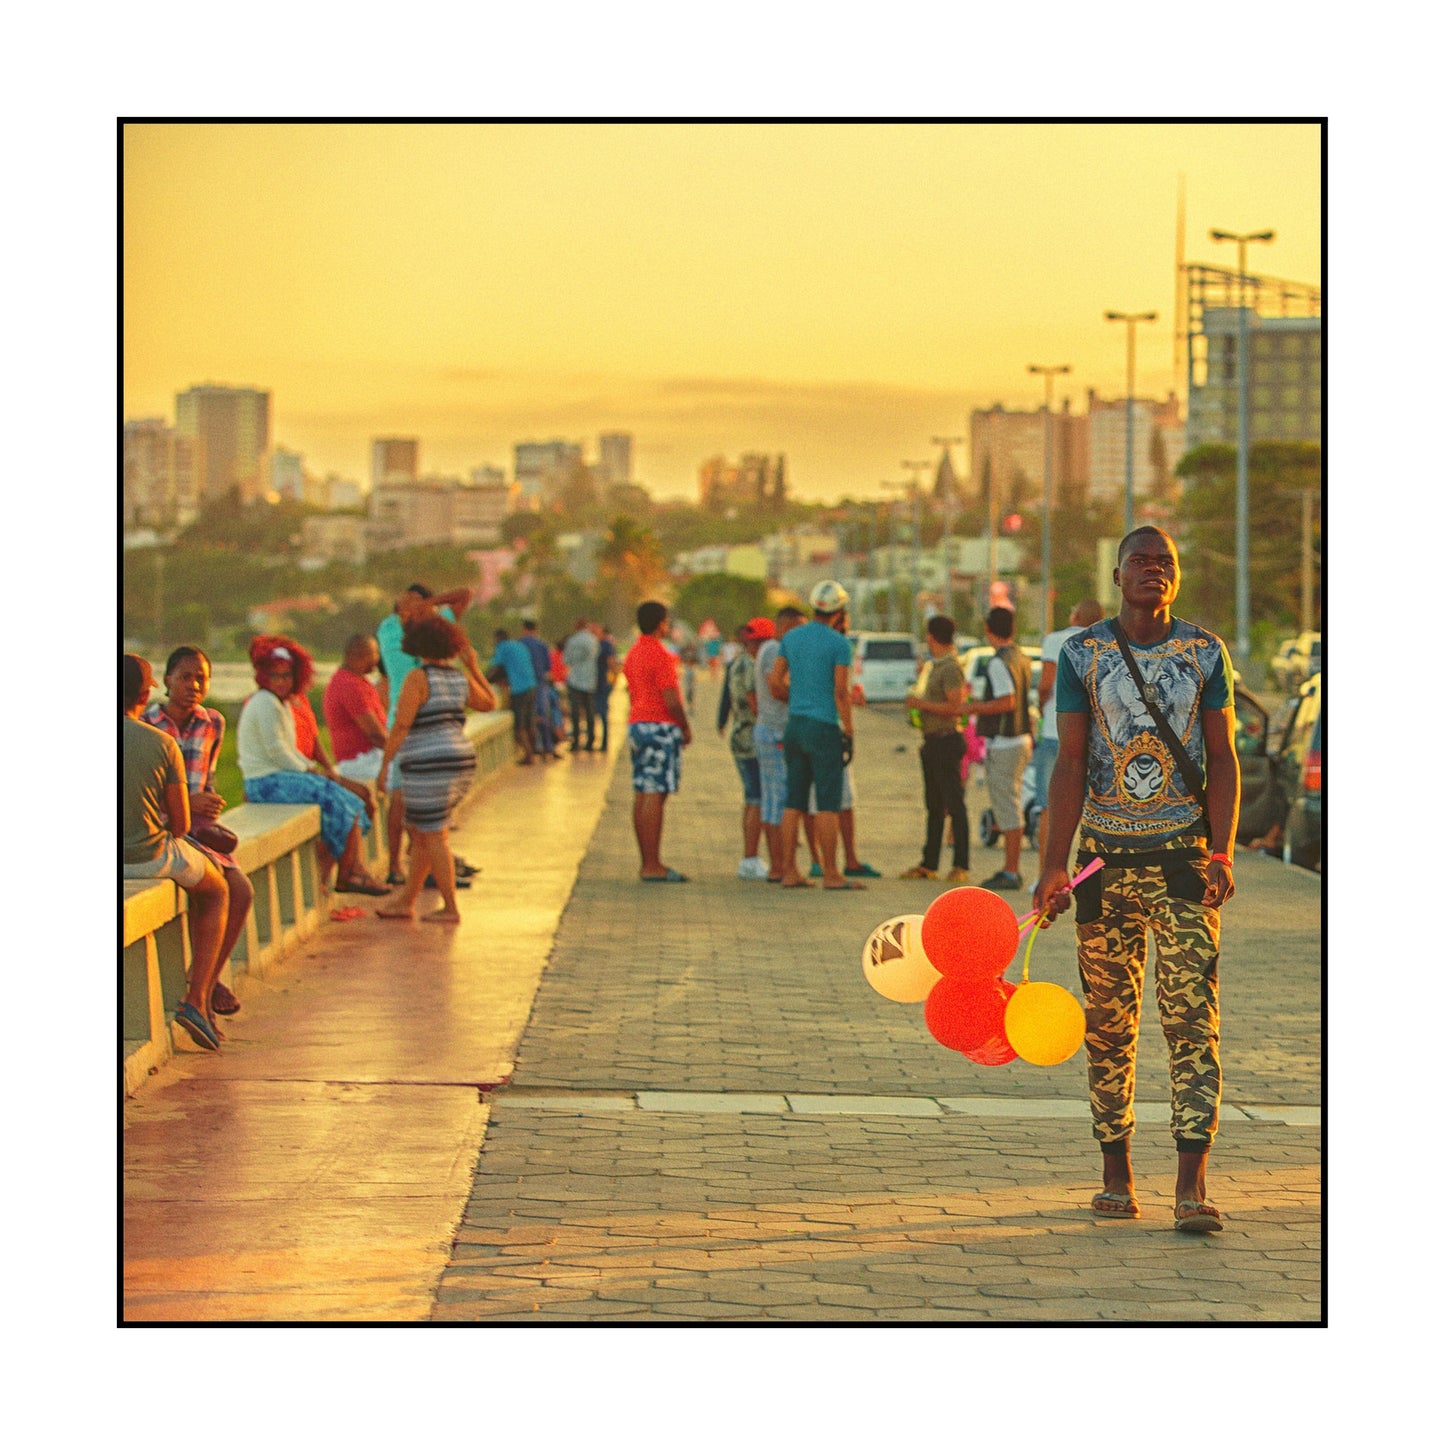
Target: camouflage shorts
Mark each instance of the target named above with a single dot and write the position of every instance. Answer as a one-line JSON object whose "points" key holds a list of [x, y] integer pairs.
{"points": [[1117, 909]]}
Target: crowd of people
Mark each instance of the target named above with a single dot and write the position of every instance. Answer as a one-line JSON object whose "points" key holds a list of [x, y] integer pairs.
{"points": [[1123, 761]]}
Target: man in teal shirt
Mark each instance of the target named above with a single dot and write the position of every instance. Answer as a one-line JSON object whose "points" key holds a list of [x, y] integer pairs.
{"points": [[811, 676]]}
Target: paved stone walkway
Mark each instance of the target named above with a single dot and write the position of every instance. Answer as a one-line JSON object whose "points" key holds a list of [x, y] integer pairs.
{"points": [[712, 1117]]}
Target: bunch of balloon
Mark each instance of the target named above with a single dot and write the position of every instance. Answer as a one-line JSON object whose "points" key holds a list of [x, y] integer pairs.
{"points": [[971, 936]]}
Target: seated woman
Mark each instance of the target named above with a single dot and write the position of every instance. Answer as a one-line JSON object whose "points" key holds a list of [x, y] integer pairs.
{"points": [[435, 761], [198, 732], [155, 813], [276, 771]]}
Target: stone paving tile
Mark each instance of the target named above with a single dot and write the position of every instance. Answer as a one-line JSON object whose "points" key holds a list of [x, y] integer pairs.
{"points": [[972, 1206]]}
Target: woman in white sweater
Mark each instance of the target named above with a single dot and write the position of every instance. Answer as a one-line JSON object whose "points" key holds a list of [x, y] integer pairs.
{"points": [[276, 771]]}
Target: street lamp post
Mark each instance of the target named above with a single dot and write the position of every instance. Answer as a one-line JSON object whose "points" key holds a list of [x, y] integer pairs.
{"points": [[889, 487], [1129, 318], [945, 443], [1241, 466], [916, 468], [1046, 578]]}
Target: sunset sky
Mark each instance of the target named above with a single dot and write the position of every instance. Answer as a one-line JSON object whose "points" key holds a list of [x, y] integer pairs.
{"points": [[841, 293]]}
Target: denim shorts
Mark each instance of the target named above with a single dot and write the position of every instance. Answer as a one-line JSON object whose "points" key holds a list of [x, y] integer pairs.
{"points": [[1046, 754], [656, 757], [749, 772], [772, 773]]}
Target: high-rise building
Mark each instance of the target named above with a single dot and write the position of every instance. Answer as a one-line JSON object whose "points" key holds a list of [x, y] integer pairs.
{"points": [[288, 475], [232, 428], [394, 459], [614, 458], [1006, 452], [435, 510], [758, 479], [541, 468], [158, 475], [1158, 445], [1284, 328]]}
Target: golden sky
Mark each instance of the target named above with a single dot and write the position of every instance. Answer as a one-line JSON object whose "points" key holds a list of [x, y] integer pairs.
{"points": [[838, 292]]}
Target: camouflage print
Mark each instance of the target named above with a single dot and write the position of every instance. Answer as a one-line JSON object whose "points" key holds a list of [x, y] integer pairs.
{"points": [[1186, 985]]}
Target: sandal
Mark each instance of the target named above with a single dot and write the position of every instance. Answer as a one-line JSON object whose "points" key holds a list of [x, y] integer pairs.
{"points": [[362, 884], [1194, 1216], [223, 1001], [1109, 1205]]}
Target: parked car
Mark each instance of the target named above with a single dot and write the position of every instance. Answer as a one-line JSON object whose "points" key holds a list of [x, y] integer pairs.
{"points": [[885, 665], [1298, 660], [1281, 791]]}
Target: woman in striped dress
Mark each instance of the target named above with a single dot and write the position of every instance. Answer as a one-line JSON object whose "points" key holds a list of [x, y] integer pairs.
{"points": [[435, 761]]}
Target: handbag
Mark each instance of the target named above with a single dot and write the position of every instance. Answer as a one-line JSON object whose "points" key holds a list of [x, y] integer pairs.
{"points": [[1187, 768], [215, 836]]}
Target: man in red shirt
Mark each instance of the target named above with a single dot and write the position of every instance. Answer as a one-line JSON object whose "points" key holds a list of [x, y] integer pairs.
{"points": [[355, 716], [657, 732]]}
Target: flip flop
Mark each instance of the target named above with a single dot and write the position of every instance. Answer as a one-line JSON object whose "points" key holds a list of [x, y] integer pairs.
{"points": [[197, 1025], [863, 870], [223, 1001], [803, 884], [344, 915], [849, 887], [395, 917], [1194, 1216], [1129, 1206], [671, 876], [363, 885]]}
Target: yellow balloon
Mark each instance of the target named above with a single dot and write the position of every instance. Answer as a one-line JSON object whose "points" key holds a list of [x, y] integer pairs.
{"points": [[1044, 1023], [894, 962]]}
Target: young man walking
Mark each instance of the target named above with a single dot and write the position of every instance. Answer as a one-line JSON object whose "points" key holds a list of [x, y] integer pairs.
{"points": [[1134, 757]]}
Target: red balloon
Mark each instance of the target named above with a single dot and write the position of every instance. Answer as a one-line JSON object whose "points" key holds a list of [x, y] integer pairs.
{"points": [[965, 1016], [993, 1053], [970, 933]]}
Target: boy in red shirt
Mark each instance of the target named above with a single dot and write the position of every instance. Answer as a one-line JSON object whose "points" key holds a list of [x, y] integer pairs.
{"points": [[657, 732]]}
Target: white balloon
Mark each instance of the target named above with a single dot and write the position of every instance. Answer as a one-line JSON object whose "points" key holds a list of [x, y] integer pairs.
{"points": [[894, 962]]}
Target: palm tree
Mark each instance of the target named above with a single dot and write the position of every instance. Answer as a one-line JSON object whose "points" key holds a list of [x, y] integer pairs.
{"points": [[631, 560]]}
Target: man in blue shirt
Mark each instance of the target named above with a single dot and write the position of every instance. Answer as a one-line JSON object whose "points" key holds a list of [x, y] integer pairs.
{"points": [[1166, 834], [811, 675], [511, 664], [543, 700]]}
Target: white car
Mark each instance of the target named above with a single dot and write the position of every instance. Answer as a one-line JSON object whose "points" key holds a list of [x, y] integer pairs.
{"points": [[885, 665]]}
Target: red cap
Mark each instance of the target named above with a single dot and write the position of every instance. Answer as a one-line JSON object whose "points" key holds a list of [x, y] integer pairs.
{"points": [[760, 629]]}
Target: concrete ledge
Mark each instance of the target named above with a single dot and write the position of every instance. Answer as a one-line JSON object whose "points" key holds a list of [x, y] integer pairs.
{"points": [[276, 852]]}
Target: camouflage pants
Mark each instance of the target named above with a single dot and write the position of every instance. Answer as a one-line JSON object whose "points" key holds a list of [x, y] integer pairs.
{"points": [[1115, 917]]}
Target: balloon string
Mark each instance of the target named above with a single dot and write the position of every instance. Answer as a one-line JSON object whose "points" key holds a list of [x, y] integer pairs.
{"points": [[1033, 937]]}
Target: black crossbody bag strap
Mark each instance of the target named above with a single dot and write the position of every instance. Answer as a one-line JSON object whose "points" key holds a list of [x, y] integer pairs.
{"points": [[1192, 776]]}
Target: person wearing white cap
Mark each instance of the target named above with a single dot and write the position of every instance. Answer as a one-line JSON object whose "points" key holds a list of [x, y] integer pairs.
{"points": [[811, 672]]}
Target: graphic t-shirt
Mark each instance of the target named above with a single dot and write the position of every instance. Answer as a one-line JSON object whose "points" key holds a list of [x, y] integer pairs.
{"points": [[812, 651], [1136, 798]]}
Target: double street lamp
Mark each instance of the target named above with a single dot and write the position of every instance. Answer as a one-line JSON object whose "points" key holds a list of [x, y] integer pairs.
{"points": [[1046, 579], [1129, 318], [1241, 472]]}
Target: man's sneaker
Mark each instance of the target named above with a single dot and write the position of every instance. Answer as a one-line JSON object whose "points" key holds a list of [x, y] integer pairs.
{"points": [[920, 872], [1003, 882], [752, 868], [958, 875]]}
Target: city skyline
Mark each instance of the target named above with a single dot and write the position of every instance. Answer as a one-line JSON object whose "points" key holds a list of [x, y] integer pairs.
{"points": [[837, 293]]}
